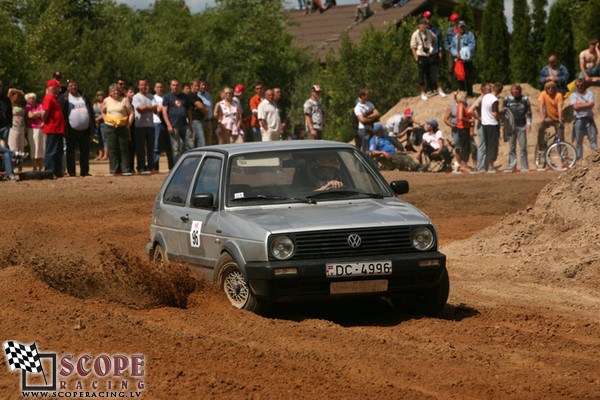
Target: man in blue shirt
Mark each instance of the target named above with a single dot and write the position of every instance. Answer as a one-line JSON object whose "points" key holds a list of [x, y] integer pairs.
{"points": [[178, 118], [382, 149], [582, 101]]}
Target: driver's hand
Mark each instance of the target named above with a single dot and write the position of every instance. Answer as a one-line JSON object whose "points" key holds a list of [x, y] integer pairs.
{"points": [[334, 184]]}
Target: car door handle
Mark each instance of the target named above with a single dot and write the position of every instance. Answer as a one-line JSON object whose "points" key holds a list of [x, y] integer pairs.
{"points": [[184, 218]]}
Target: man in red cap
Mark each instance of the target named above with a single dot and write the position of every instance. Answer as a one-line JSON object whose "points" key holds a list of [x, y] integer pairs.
{"points": [[400, 126], [450, 33], [54, 128]]}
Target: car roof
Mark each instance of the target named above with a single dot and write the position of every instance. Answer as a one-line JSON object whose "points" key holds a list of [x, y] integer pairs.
{"points": [[256, 147]]}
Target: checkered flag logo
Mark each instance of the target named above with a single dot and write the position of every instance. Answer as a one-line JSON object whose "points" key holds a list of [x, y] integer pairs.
{"points": [[23, 357]]}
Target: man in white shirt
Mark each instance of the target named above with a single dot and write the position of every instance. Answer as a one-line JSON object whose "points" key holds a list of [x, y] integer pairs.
{"points": [[367, 114], [490, 123], [422, 44], [144, 106], [78, 111], [268, 117]]}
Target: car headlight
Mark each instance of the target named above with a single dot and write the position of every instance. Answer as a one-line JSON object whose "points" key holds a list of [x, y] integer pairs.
{"points": [[282, 247], [422, 238]]}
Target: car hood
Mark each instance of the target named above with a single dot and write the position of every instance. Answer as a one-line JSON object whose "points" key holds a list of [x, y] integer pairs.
{"points": [[333, 214]]}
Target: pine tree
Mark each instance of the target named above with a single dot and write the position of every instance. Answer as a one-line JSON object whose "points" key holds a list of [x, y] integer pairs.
{"points": [[559, 36], [494, 60], [538, 30], [521, 67], [586, 26]]}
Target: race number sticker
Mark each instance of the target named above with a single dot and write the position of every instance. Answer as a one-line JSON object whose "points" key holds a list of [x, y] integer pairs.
{"points": [[195, 233]]}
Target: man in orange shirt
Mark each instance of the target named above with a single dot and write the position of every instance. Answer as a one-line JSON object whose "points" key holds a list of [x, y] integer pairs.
{"points": [[551, 104], [259, 88]]}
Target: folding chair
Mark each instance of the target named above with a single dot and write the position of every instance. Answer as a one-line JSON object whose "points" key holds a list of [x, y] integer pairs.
{"points": [[438, 163]]}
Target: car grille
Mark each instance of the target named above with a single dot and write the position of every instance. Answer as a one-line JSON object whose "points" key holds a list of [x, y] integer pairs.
{"points": [[334, 243]]}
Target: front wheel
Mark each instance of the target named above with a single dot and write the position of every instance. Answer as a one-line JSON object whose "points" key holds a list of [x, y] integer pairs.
{"points": [[236, 287], [428, 302], [561, 155]]}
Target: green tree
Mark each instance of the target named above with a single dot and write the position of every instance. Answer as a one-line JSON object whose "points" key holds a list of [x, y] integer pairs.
{"points": [[559, 36], [12, 52], [586, 27], [493, 57], [538, 30], [521, 67], [381, 61]]}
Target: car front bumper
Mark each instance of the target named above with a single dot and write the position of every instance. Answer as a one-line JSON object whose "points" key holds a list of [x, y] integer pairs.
{"points": [[309, 281]]}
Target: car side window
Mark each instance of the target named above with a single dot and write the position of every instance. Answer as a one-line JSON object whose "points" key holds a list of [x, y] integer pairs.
{"points": [[209, 178], [179, 186]]}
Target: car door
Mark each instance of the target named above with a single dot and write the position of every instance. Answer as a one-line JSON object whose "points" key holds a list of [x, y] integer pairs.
{"points": [[173, 221], [202, 247]]}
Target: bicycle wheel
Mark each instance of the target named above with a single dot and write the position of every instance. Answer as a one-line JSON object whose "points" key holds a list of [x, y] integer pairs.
{"points": [[561, 155], [540, 157]]}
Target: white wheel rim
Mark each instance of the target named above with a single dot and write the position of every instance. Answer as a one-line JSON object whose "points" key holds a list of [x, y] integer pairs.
{"points": [[236, 288]]}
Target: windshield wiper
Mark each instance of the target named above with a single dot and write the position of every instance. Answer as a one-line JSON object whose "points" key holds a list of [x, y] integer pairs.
{"points": [[270, 197], [326, 193]]}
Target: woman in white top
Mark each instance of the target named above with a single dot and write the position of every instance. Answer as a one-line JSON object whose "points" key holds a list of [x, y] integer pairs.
{"points": [[230, 118]]}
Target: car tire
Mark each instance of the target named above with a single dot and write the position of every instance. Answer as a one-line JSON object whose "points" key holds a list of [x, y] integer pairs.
{"points": [[159, 257], [429, 302], [236, 287]]}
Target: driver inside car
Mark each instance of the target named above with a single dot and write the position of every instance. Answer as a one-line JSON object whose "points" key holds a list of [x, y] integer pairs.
{"points": [[324, 173]]}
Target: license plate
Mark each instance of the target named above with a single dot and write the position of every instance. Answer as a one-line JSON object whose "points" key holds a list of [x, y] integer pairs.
{"points": [[350, 287], [366, 268]]}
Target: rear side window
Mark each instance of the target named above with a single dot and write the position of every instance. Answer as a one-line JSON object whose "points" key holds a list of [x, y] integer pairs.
{"points": [[209, 178], [179, 186]]}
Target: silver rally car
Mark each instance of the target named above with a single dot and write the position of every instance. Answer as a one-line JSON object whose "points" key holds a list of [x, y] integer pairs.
{"points": [[296, 220]]}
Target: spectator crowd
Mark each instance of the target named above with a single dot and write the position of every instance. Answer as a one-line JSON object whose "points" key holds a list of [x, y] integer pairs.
{"points": [[131, 129]]}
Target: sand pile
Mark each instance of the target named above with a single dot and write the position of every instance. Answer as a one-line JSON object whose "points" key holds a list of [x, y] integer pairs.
{"points": [[112, 274], [556, 240]]}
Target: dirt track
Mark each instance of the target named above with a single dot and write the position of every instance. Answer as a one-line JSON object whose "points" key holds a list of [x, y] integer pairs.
{"points": [[73, 249]]}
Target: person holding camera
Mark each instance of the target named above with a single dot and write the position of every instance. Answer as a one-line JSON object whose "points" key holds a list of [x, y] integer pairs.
{"points": [[422, 44]]}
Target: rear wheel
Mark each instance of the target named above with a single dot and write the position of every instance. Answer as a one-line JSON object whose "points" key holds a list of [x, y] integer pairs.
{"points": [[561, 155], [159, 257], [236, 287], [427, 302]]}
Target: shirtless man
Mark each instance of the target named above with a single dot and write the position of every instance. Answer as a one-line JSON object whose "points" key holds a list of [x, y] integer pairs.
{"points": [[589, 62]]}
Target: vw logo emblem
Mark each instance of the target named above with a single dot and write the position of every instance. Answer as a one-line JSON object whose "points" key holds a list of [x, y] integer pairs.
{"points": [[354, 240]]}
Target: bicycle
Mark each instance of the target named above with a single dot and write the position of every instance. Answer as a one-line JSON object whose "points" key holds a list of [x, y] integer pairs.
{"points": [[558, 155]]}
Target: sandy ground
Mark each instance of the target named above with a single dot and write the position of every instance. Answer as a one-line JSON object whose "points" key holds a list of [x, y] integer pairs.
{"points": [[521, 320]]}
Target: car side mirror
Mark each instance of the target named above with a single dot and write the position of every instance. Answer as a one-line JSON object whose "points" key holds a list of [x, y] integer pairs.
{"points": [[203, 200], [399, 187]]}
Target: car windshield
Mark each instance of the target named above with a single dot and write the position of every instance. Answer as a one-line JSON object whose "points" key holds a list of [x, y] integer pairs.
{"points": [[293, 176]]}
